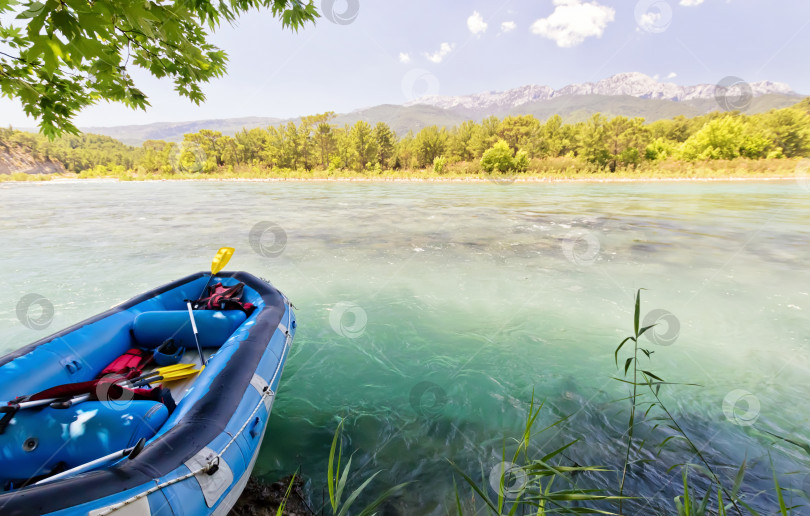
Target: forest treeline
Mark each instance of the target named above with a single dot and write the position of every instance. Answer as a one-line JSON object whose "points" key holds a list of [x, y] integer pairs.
{"points": [[512, 144]]}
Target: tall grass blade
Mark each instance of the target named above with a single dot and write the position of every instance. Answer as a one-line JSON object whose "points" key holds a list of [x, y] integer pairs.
{"points": [[344, 478], [474, 486], [352, 497], [458, 498], [330, 473], [368, 511], [782, 508], [286, 495]]}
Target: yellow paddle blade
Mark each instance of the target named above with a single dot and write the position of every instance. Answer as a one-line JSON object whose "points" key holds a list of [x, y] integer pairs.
{"points": [[172, 368], [180, 375], [221, 259]]}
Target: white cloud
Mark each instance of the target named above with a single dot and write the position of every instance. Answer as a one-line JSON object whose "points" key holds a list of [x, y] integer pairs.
{"points": [[690, 3], [404, 58], [508, 26], [476, 23], [672, 75], [573, 20], [439, 55]]}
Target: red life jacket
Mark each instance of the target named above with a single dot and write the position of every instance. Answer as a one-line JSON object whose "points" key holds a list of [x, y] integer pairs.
{"points": [[221, 297], [129, 365]]}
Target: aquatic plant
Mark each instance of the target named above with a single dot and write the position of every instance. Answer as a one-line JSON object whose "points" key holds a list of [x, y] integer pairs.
{"points": [[529, 482], [337, 482]]}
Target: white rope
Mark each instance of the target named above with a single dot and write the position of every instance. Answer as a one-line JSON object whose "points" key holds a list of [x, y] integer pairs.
{"points": [[214, 460]]}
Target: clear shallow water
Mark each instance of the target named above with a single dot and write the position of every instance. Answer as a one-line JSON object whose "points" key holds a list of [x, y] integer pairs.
{"points": [[429, 313]]}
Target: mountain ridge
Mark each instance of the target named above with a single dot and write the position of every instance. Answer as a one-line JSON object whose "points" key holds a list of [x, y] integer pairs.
{"points": [[629, 94], [632, 84]]}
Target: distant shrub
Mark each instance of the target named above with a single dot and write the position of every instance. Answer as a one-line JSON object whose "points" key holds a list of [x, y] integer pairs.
{"points": [[498, 158], [439, 164]]}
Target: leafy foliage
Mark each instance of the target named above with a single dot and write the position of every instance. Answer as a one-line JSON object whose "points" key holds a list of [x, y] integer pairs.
{"points": [[64, 55], [513, 145]]}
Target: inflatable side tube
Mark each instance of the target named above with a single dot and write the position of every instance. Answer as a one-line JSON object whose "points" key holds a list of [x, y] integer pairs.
{"points": [[214, 327]]}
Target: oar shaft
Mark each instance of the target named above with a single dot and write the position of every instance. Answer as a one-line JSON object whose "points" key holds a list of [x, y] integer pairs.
{"points": [[87, 466], [194, 328]]}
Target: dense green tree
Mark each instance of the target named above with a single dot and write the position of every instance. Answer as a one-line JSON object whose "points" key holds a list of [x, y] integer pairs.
{"points": [[459, 142], [364, 146], [555, 139], [485, 136], [62, 56], [344, 157], [250, 144], [789, 130], [500, 158], [323, 137], [626, 141], [385, 140], [728, 137], [616, 143], [594, 141], [520, 132], [429, 144]]}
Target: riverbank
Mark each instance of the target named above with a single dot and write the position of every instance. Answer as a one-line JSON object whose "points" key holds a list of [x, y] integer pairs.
{"points": [[529, 180], [731, 170]]}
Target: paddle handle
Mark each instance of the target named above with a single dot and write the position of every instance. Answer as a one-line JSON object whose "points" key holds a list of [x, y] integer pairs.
{"points": [[194, 328], [127, 452]]}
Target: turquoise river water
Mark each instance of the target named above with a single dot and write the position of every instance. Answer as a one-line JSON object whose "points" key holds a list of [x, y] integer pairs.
{"points": [[429, 313]]}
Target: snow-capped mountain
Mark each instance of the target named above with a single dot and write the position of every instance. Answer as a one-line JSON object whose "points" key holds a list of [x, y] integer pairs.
{"points": [[631, 84]]}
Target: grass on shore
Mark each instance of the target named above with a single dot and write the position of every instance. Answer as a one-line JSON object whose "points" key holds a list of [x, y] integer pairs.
{"points": [[558, 169]]}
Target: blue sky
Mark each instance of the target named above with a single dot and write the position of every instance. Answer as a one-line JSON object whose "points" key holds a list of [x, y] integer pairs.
{"points": [[390, 51]]}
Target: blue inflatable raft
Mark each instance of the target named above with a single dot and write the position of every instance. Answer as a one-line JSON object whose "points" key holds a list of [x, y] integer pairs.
{"points": [[142, 456]]}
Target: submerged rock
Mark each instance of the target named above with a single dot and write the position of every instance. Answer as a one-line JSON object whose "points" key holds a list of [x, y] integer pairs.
{"points": [[260, 499]]}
